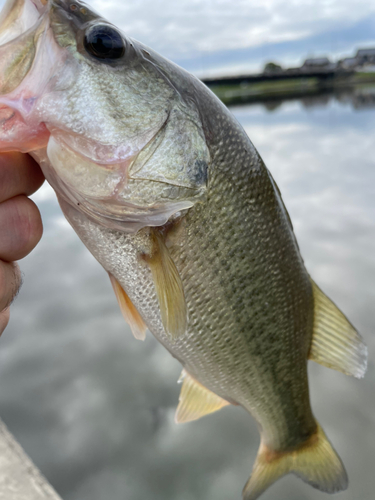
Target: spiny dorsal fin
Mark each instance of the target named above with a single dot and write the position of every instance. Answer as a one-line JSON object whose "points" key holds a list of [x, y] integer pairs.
{"points": [[130, 313], [195, 400], [335, 342], [315, 462], [169, 288]]}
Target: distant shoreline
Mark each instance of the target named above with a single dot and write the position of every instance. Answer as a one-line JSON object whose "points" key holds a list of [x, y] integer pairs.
{"points": [[254, 88]]}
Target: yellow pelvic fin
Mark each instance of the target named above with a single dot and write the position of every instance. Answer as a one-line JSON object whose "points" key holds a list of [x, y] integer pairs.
{"points": [[169, 288], [130, 313], [315, 462], [195, 400], [335, 342]]}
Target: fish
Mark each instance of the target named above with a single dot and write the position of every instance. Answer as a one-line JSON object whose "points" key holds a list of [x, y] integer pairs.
{"points": [[168, 193]]}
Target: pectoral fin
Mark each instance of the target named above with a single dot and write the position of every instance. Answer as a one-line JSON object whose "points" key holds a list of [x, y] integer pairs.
{"points": [[196, 401], [335, 342], [130, 313], [169, 288]]}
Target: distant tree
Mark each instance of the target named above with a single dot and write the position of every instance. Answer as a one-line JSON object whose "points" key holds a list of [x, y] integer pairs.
{"points": [[272, 67]]}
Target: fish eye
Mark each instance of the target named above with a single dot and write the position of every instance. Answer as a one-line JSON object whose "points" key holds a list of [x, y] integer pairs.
{"points": [[104, 43]]}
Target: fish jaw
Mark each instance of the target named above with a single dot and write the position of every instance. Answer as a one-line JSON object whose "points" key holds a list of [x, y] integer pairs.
{"points": [[18, 16], [28, 59]]}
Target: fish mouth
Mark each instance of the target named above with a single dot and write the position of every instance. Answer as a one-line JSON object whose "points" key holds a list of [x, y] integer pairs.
{"points": [[22, 25], [19, 16], [20, 28], [29, 59]]}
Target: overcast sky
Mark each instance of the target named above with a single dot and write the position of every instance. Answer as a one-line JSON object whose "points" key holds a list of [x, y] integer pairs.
{"points": [[215, 36], [206, 35]]}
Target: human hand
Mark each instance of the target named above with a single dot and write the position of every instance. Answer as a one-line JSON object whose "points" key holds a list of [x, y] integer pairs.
{"points": [[20, 222]]}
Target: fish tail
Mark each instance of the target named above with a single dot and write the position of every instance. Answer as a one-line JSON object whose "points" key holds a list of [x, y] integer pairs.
{"points": [[315, 462]]}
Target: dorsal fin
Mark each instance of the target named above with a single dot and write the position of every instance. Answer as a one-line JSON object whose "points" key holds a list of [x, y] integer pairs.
{"points": [[335, 342], [129, 311], [195, 400], [169, 288]]}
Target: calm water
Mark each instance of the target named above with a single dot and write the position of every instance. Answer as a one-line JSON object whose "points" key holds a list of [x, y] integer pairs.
{"points": [[94, 407]]}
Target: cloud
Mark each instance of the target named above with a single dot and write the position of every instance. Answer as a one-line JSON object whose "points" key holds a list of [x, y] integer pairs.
{"points": [[208, 36], [187, 28]]}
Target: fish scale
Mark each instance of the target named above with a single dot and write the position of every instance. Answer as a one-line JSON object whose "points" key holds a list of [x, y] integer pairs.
{"points": [[245, 333]]}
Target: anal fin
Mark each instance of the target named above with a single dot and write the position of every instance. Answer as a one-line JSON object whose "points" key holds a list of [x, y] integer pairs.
{"points": [[169, 288], [196, 401], [129, 311], [335, 342]]}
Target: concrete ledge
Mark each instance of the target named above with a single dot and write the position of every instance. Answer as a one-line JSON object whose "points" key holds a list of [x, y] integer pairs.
{"points": [[19, 478]]}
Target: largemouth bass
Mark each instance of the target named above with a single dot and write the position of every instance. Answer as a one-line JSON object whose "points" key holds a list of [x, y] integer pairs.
{"points": [[166, 190]]}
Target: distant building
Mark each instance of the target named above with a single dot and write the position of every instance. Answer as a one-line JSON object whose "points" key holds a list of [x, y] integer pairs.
{"points": [[317, 62], [349, 62], [368, 68], [365, 56], [293, 71]]}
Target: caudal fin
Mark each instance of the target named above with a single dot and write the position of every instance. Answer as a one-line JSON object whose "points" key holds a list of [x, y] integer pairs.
{"points": [[315, 461]]}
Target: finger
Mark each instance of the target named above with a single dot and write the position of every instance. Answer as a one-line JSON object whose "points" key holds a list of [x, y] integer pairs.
{"points": [[20, 228], [4, 320], [10, 283], [19, 174]]}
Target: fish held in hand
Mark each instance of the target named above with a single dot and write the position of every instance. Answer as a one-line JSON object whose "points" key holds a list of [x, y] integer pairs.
{"points": [[166, 190]]}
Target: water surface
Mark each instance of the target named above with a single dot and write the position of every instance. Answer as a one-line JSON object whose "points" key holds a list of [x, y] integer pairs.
{"points": [[94, 407]]}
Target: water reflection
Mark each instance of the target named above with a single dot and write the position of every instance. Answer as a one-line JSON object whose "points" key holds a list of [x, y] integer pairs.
{"points": [[94, 407], [359, 98]]}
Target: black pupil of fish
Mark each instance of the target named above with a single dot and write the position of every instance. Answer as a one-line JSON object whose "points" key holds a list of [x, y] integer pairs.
{"points": [[104, 43]]}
